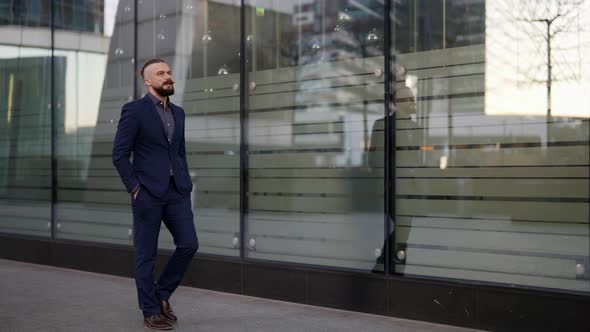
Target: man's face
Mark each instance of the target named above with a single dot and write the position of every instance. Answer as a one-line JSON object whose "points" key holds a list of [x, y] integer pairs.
{"points": [[159, 77]]}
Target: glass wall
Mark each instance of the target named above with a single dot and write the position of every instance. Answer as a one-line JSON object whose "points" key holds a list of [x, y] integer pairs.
{"points": [[25, 122], [489, 125], [312, 196], [492, 141], [94, 43]]}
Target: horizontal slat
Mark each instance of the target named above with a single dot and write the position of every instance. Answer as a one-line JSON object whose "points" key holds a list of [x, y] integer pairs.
{"points": [[559, 188], [364, 231], [523, 133], [541, 156], [342, 250], [580, 229], [302, 87], [356, 217], [432, 108], [495, 241], [468, 68], [360, 264], [318, 71], [342, 205], [89, 196], [85, 214], [97, 232], [503, 210], [27, 194], [214, 200], [441, 58], [24, 224], [316, 173], [299, 160], [514, 279], [513, 264], [366, 186], [227, 104], [348, 94], [516, 172]]}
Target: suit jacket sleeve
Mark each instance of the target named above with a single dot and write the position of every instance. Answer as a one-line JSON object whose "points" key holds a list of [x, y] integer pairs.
{"points": [[123, 146]]}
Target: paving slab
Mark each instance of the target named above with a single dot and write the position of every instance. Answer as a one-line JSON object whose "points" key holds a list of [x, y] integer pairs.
{"points": [[45, 298]]}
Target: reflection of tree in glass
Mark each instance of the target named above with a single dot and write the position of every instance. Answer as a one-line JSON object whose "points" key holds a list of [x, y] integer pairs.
{"points": [[549, 19]]}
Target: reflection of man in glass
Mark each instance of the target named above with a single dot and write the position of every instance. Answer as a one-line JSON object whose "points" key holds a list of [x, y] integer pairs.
{"points": [[152, 128], [405, 111]]}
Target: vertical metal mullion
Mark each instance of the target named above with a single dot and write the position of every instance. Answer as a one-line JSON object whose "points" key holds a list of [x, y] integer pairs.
{"points": [[53, 127], [389, 149], [135, 59], [243, 129]]}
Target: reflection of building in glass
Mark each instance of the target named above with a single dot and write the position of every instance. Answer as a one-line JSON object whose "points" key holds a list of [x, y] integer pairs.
{"points": [[87, 15]]}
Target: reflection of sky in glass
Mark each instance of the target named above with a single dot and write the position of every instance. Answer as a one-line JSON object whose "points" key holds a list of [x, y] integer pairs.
{"points": [[110, 12], [516, 61]]}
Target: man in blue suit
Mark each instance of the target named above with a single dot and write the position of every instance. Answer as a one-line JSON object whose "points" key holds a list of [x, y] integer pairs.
{"points": [[152, 129]]}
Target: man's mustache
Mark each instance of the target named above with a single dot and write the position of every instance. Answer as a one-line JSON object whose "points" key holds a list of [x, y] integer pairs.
{"points": [[168, 82]]}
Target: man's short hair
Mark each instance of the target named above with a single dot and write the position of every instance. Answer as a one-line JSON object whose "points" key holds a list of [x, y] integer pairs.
{"points": [[150, 62]]}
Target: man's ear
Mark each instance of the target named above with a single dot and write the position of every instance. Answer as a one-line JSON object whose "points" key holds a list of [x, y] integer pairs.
{"points": [[147, 81]]}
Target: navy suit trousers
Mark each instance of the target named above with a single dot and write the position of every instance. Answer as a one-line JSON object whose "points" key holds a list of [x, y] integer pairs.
{"points": [[174, 209]]}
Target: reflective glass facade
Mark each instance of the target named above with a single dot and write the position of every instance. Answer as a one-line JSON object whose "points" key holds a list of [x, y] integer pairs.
{"points": [[444, 139]]}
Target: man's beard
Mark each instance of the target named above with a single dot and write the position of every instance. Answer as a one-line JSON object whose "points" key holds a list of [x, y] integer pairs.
{"points": [[164, 92]]}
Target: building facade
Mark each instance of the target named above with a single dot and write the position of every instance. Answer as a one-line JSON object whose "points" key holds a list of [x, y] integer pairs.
{"points": [[422, 159]]}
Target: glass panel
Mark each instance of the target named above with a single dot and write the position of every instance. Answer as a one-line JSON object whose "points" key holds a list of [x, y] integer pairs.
{"points": [[492, 131], [25, 122], [200, 40], [93, 79], [315, 176]]}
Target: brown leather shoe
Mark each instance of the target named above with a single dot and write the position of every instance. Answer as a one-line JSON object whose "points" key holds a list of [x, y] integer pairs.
{"points": [[157, 322], [167, 312]]}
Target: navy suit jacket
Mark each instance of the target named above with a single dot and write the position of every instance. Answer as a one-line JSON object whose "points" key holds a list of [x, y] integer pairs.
{"points": [[141, 132]]}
